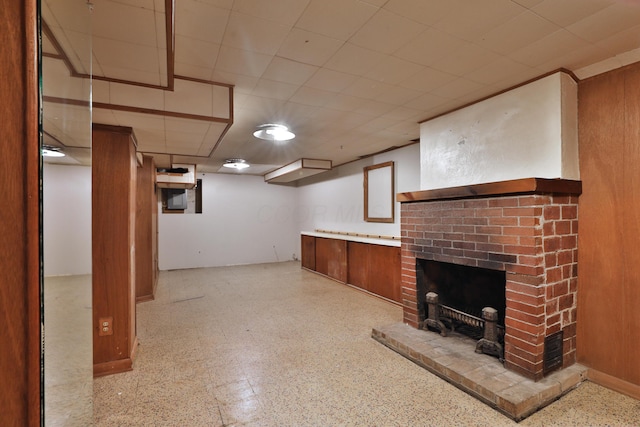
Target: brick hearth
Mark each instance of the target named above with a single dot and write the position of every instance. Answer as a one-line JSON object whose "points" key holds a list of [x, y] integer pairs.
{"points": [[527, 228]]}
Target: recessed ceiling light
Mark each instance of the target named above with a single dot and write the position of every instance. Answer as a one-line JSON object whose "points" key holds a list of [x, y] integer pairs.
{"points": [[274, 132], [52, 152], [238, 164]]}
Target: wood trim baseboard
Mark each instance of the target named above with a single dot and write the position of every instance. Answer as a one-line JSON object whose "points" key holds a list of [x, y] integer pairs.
{"points": [[116, 366], [112, 367], [144, 298], [614, 383]]}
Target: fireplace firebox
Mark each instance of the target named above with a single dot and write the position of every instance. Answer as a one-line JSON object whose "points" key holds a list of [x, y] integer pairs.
{"points": [[523, 230]]}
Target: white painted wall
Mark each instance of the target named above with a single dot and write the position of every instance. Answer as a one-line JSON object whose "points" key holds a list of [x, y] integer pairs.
{"points": [[244, 221], [334, 200], [530, 131], [66, 211]]}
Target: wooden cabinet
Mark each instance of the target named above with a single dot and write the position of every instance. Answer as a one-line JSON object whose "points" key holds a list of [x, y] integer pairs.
{"points": [[331, 258], [372, 267], [113, 248], [146, 231], [375, 268], [308, 252]]}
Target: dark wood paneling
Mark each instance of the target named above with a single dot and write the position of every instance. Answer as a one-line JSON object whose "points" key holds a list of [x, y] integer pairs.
{"points": [[308, 249], [20, 381], [331, 258], [358, 265], [608, 253], [113, 245], [375, 268], [631, 224], [384, 272], [146, 228]]}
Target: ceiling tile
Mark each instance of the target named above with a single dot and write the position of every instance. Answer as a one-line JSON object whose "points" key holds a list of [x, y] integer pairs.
{"points": [[567, 12], [125, 23], [242, 84], [397, 95], [624, 41], [247, 32], [222, 99], [386, 32], [546, 48], [499, 70], [352, 59], [333, 81], [118, 54], [181, 69], [320, 17], [272, 89], [427, 79], [393, 70], [367, 88], [607, 22], [242, 62], [285, 11], [467, 58], [200, 20], [477, 18], [429, 47], [314, 97], [456, 88], [190, 98], [426, 102], [288, 71], [518, 32], [196, 52], [135, 96], [129, 75], [308, 48], [197, 127], [425, 12]]}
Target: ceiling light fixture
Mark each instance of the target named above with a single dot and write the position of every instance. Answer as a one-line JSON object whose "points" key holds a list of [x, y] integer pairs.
{"points": [[51, 152], [273, 132], [238, 164]]}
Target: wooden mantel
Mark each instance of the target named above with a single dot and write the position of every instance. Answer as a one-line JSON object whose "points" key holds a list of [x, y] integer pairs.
{"points": [[501, 188]]}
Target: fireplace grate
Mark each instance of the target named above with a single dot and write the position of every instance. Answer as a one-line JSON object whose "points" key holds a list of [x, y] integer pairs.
{"points": [[490, 335]]}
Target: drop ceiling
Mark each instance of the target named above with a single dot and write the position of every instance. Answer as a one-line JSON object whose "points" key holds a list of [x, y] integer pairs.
{"points": [[350, 77]]}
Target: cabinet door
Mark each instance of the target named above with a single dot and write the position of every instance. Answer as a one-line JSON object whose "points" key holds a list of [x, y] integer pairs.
{"points": [[331, 258], [384, 271], [308, 248], [358, 265]]}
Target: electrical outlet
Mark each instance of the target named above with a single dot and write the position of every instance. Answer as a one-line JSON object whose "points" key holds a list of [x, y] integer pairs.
{"points": [[105, 325]]}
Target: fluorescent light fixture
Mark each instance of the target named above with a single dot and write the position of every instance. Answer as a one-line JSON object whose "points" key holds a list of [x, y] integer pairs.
{"points": [[238, 164], [52, 152], [273, 132]]}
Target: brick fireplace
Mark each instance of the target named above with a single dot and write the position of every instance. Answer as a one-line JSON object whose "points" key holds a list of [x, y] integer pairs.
{"points": [[527, 228]]}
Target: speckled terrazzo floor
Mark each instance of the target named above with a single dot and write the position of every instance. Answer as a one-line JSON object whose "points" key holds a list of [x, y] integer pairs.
{"points": [[275, 345]]}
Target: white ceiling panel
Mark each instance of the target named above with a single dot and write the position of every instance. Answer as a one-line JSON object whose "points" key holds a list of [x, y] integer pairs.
{"points": [[320, 17], [288, 71], [254, 34], [308, 48], [387, 32], [350, 77]]}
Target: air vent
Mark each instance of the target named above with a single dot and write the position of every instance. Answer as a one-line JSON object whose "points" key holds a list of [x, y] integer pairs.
{"points": [[552, 352]]}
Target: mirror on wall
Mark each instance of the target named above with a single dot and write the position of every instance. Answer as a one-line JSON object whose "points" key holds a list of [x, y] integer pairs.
{"points": [[379, 184], [66, 211]]}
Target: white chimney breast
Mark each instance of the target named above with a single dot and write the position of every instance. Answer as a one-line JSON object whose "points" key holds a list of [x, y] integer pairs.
{"points": [[530, 131]]}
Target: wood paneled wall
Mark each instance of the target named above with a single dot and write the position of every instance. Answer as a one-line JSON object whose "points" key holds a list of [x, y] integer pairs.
{"points": [[113, 245], [20, 380], [146, 231], [609, 216]]}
